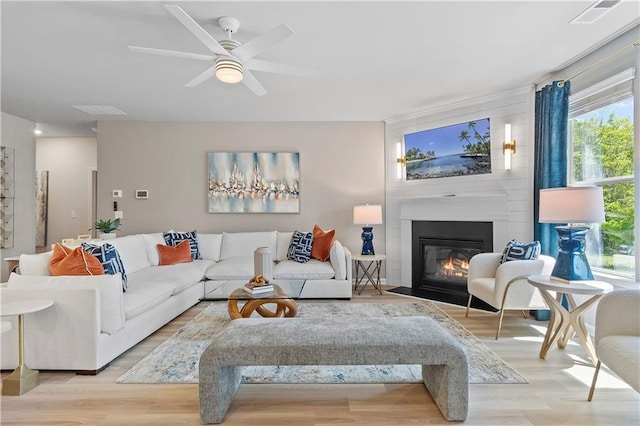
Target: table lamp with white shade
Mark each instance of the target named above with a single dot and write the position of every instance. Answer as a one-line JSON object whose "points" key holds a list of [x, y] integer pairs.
{"points": [[367, 215], [572, 205]]}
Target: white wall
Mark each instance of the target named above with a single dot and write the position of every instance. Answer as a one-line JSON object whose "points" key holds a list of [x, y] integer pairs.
{"points": [[68, 161], [341, 165], [18, 134], [503, 196]]}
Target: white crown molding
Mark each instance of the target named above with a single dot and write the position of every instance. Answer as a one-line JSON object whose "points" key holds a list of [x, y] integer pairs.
{"points": [[437, 108]]}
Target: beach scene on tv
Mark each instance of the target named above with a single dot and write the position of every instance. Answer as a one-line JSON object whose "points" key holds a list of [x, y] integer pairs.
{"points": [[456, 150]]}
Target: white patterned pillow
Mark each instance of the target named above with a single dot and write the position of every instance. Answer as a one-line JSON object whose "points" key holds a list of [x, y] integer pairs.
{"points": [[516, 250], [174, 238], [110, 259], [300, 247]]}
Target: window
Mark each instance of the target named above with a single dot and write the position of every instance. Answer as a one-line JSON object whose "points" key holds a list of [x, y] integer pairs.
{"points": [[601, 152]]}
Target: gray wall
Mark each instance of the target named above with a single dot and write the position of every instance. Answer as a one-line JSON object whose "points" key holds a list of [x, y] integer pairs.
{"points": [[18, 134], [69, 161], [341, 165]]}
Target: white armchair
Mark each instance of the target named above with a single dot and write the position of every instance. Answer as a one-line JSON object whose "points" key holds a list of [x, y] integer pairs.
{"points": [[504, 286], [617, 336]]}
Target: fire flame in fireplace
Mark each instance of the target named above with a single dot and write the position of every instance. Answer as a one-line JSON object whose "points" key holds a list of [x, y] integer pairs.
{"points": [[455, 268]]}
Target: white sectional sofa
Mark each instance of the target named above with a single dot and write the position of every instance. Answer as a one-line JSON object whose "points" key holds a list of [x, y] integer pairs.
{"points": [[92, 321]]}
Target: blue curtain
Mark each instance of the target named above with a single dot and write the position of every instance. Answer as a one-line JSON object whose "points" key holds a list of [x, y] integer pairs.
{"points": [[550, 164]]}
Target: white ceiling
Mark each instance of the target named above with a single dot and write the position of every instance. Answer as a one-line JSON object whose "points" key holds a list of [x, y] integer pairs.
{"points": [[372, 60]]}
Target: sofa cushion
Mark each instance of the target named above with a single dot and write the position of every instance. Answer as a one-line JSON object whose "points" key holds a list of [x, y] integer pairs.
{"points": [[236, 268], [170, 255], [312, 270], [143, 296], [321, 243], [300, 247], [109, 258], [243, 244], [109, 287], [180, 276], [210, 246], [172, 238], [282, 245], [35, 264], [338, 261], [151, 241], [515, 250], [66, 261], [133, 252]]}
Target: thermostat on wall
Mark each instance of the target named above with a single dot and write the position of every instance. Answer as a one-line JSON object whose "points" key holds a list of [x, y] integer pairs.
{"points": [[142, 194]]}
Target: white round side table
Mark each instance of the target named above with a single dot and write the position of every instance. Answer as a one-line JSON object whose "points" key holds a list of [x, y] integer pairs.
{"points": [[564, 321], [22, 379]]}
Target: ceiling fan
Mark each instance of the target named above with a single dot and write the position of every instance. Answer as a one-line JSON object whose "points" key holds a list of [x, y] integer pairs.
{"points": [[232, 60]]}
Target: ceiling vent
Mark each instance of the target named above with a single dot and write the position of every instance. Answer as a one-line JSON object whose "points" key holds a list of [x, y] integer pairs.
{"points": [[99, 110], [594, 12]]}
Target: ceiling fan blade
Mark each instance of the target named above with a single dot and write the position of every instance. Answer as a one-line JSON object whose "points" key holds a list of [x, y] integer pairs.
{"points": [[250, 81], [262, 42], [196, 29], [206, 75], [174, 53], [268, 66]]}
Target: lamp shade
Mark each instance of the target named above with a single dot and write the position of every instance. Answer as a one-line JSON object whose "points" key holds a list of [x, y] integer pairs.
{"points": [[578, 204], [367, 214]]}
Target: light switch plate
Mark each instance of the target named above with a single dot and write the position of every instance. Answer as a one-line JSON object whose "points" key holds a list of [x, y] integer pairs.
{"points": [[117, 193], [118, 214]]}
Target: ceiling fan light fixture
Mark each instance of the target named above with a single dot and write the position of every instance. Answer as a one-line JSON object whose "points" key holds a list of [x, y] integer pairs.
{"points": [[229, 70]]}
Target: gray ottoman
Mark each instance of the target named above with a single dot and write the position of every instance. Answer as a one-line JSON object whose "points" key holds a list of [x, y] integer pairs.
{"points": [[334, 341]]}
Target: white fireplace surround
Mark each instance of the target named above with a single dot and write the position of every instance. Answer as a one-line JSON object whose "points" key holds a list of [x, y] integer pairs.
{"points": [[471, 207]]}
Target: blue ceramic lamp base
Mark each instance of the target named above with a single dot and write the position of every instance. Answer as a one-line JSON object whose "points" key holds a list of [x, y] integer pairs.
{"points": [[571, 263], [367, 241]]}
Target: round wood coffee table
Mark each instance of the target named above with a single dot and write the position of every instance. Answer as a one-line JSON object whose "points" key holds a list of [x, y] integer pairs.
{"points": [[285, 306]]}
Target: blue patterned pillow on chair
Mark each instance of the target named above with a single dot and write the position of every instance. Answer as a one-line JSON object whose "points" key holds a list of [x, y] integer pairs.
{"points": [[110, 259], [516, 250], [174, 238], [300, 247]]}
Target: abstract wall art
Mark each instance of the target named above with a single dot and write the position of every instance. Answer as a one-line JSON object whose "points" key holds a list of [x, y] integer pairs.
{"points": [[254, 182], [42, 203]]}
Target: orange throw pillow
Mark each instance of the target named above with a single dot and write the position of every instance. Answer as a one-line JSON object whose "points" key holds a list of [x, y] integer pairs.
{"points": [[65, 261], [321, 243], [170, 255]]}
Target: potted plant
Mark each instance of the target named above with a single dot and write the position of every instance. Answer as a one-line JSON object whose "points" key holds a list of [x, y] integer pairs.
{"points": [[106, 228]]}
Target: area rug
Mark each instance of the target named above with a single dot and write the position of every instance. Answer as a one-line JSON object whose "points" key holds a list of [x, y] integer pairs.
{"points": [[176, 360]]}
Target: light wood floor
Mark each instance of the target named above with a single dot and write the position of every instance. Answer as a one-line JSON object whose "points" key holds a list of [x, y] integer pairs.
{"points": [[556, 394]]}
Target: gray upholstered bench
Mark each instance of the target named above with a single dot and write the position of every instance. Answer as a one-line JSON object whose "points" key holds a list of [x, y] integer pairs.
{"points": [[334, 341]]}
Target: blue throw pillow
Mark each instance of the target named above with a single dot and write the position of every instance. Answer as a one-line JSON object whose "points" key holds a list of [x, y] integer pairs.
{"points": [[300, 247], [110, 259], [174, 238], [516, 250]]}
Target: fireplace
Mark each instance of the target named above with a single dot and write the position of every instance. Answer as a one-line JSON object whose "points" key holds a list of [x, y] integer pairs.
{"points": [[440, 253]]}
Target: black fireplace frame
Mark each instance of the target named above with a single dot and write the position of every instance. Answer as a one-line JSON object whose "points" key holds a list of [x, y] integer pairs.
{"points": [[455, 293]]}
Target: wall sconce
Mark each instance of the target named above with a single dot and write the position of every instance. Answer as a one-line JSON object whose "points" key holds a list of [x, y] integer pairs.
{"points": [[509, 146], [400, 160]]}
